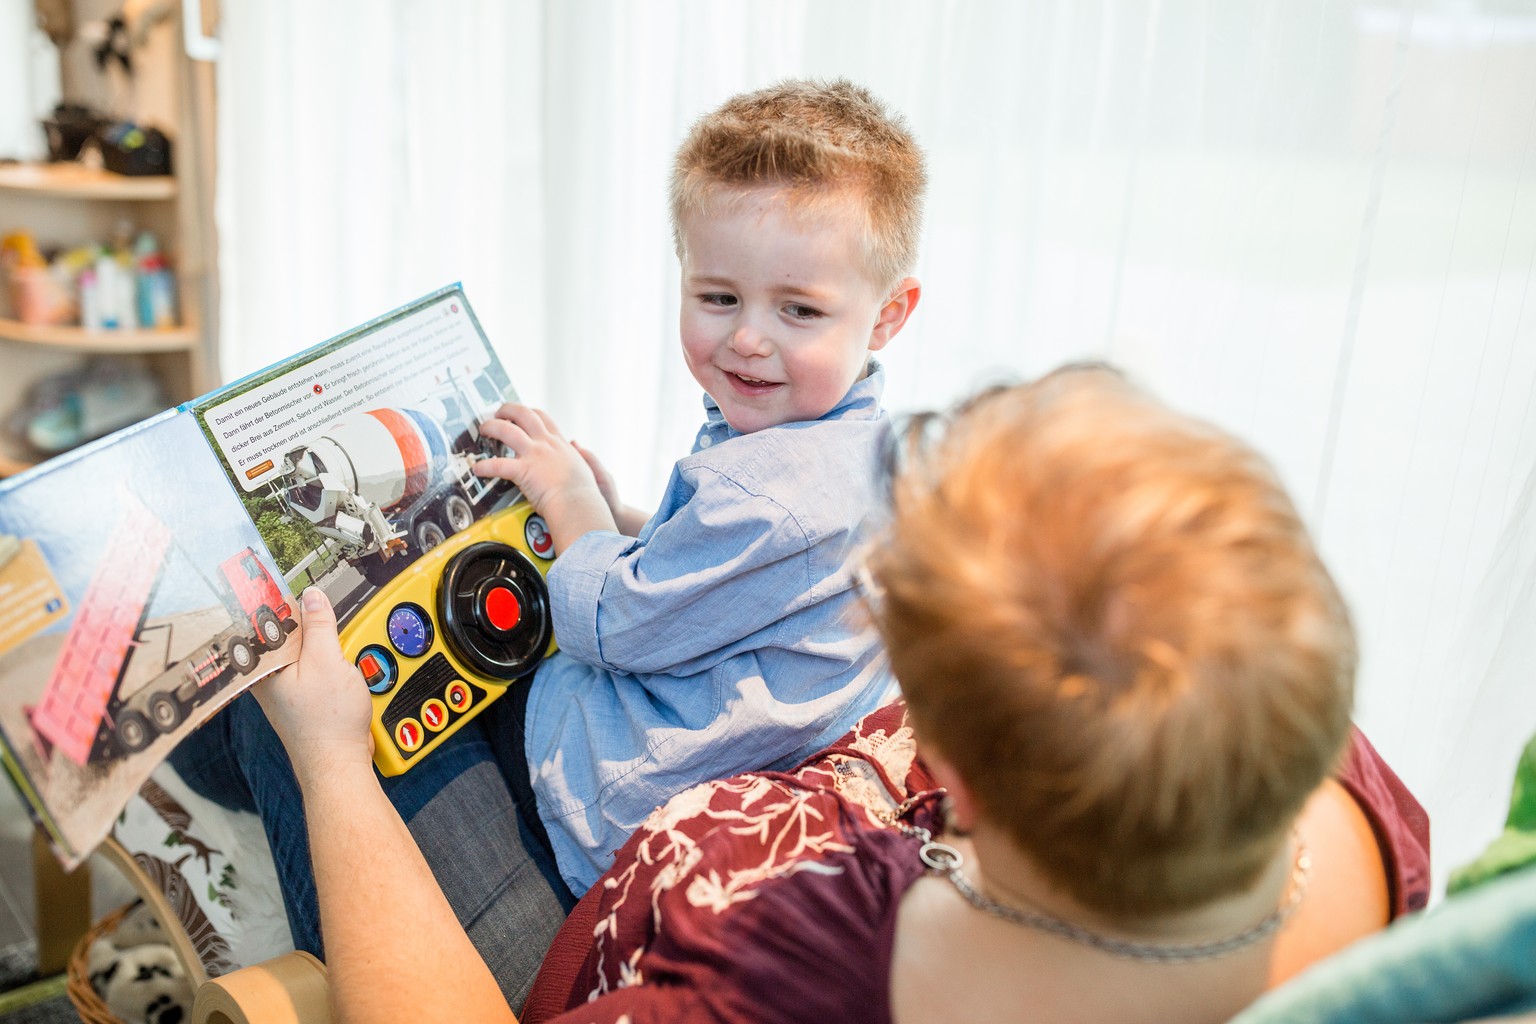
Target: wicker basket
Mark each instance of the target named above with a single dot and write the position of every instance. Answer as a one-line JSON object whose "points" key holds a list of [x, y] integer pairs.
{"points": [[87, 1003]]}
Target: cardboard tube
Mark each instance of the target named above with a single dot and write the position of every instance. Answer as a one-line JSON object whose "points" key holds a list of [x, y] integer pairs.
{"points": [[290, 989]]}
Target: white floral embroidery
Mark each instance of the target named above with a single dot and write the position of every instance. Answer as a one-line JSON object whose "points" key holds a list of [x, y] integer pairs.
{"points": [[629, 971], [779, 825], [895, 751], [681, 807]]}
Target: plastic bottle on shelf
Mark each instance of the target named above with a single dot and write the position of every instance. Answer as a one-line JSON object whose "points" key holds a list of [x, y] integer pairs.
{"points": [[156, 285], [90, 299], [110, 307]]}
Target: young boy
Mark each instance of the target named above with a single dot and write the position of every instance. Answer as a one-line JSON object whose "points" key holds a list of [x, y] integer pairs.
{"points": [[720, 634]]}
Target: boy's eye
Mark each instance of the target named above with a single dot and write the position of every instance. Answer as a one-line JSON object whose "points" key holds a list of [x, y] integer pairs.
{"points": [[718, 299], [800, 312]]}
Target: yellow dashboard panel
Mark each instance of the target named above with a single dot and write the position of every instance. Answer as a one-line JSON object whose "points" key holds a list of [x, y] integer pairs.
{"points": [[448, 635]]}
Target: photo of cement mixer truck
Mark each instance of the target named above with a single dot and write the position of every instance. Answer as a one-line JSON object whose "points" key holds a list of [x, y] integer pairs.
{"points": [[389, 483]]}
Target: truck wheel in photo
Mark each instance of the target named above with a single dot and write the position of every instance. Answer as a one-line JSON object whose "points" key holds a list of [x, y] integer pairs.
{"points": [[458, 513], [165, 711], [133, 731], [242, 655], [428, 535], [270, 629]]}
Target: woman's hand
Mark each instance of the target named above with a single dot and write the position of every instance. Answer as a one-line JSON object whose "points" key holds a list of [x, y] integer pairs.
{"points": [[391, 938], [319, 705], [550, 471]]}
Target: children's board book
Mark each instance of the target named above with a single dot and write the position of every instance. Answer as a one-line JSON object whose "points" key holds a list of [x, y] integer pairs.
{"points": [[149, 577]]}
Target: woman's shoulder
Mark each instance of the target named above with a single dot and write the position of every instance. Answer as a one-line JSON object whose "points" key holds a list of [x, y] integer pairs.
{"points": [[1367, 842], [1397, 819], [801, 866]]}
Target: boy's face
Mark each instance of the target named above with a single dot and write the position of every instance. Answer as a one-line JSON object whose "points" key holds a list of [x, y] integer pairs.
{"points": [[778, 313]]}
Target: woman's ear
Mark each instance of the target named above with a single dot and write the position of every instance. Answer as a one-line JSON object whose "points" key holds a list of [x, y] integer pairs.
{"points": [[893, 315], [960, 805]]}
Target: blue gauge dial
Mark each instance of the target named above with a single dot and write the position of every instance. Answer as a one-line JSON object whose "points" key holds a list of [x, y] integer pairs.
{"points": [[410, 630]]}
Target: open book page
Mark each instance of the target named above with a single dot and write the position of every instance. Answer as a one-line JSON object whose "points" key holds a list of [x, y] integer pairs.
{"points": [[354, 459], [148, 578], [136, 599], [355, 462]]}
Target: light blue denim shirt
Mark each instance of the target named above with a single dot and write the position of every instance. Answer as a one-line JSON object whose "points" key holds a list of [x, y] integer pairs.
{"points": [[725, 638]]}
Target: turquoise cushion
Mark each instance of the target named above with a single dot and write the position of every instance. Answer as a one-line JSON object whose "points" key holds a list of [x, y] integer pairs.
{"points": [[1472, 956]]}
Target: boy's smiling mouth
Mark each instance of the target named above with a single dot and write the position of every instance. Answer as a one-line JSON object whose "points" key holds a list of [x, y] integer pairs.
{"points": [[750, 385]]}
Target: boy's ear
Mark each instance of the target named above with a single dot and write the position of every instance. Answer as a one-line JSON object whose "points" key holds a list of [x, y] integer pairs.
{"points": [[893, 315]]}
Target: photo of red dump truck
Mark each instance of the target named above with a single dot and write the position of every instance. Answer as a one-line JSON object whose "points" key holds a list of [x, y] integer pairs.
{"points": [[85, 713]]}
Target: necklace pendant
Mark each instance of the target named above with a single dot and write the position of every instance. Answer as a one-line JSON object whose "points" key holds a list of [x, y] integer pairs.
{"points": [[940, 857]]}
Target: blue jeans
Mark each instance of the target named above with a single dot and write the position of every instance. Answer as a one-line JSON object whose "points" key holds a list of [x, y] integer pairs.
{"points": [[458, 803]]}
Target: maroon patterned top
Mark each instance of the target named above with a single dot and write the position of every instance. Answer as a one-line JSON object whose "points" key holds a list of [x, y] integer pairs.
{"points": [[773, 896]]}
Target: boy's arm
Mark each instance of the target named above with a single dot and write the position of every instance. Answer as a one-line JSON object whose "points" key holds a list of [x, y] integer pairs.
{"points": [[390, 935], [717, 578], [630, 519]]}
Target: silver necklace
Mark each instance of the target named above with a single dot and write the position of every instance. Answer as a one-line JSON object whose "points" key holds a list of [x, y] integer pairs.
{"points": [[943, 859]]}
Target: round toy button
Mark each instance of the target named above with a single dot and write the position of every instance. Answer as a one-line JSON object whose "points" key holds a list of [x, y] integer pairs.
{"points": [[502, 610], [378, 668], [408, 735], [458, 695], [540, 541], [434, 715]]}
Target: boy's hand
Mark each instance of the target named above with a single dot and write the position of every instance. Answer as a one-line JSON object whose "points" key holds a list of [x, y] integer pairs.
{"points": [[550, 471], [319, 705]]}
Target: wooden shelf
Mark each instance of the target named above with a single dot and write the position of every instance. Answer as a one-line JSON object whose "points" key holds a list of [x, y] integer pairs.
{"points": [[78, 339], [68, 204], [76, 181], [11, 464]]}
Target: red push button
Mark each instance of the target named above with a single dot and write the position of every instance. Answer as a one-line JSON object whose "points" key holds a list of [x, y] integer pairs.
{"points": [[434, 715], [377, 668], [501, 609], [458, 695], [408, 735]]}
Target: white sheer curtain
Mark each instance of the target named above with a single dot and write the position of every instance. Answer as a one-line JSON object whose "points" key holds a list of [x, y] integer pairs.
{"points": [[1313, 222]]}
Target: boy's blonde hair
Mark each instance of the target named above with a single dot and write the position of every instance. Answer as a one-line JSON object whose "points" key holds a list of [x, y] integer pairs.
{"points": [[1109, 619], [821, 142]]}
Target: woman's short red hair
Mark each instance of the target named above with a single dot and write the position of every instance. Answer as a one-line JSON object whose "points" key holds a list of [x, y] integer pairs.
{"points": [[1109, 619]]}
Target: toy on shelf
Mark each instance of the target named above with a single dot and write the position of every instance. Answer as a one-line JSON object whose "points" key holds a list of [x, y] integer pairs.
{"points": [[70, 127], [40, 293], [65, 410], [126, 284]]}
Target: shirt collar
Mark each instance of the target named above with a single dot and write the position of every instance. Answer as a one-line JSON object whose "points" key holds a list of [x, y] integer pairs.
{"points": [[862, 402]]}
